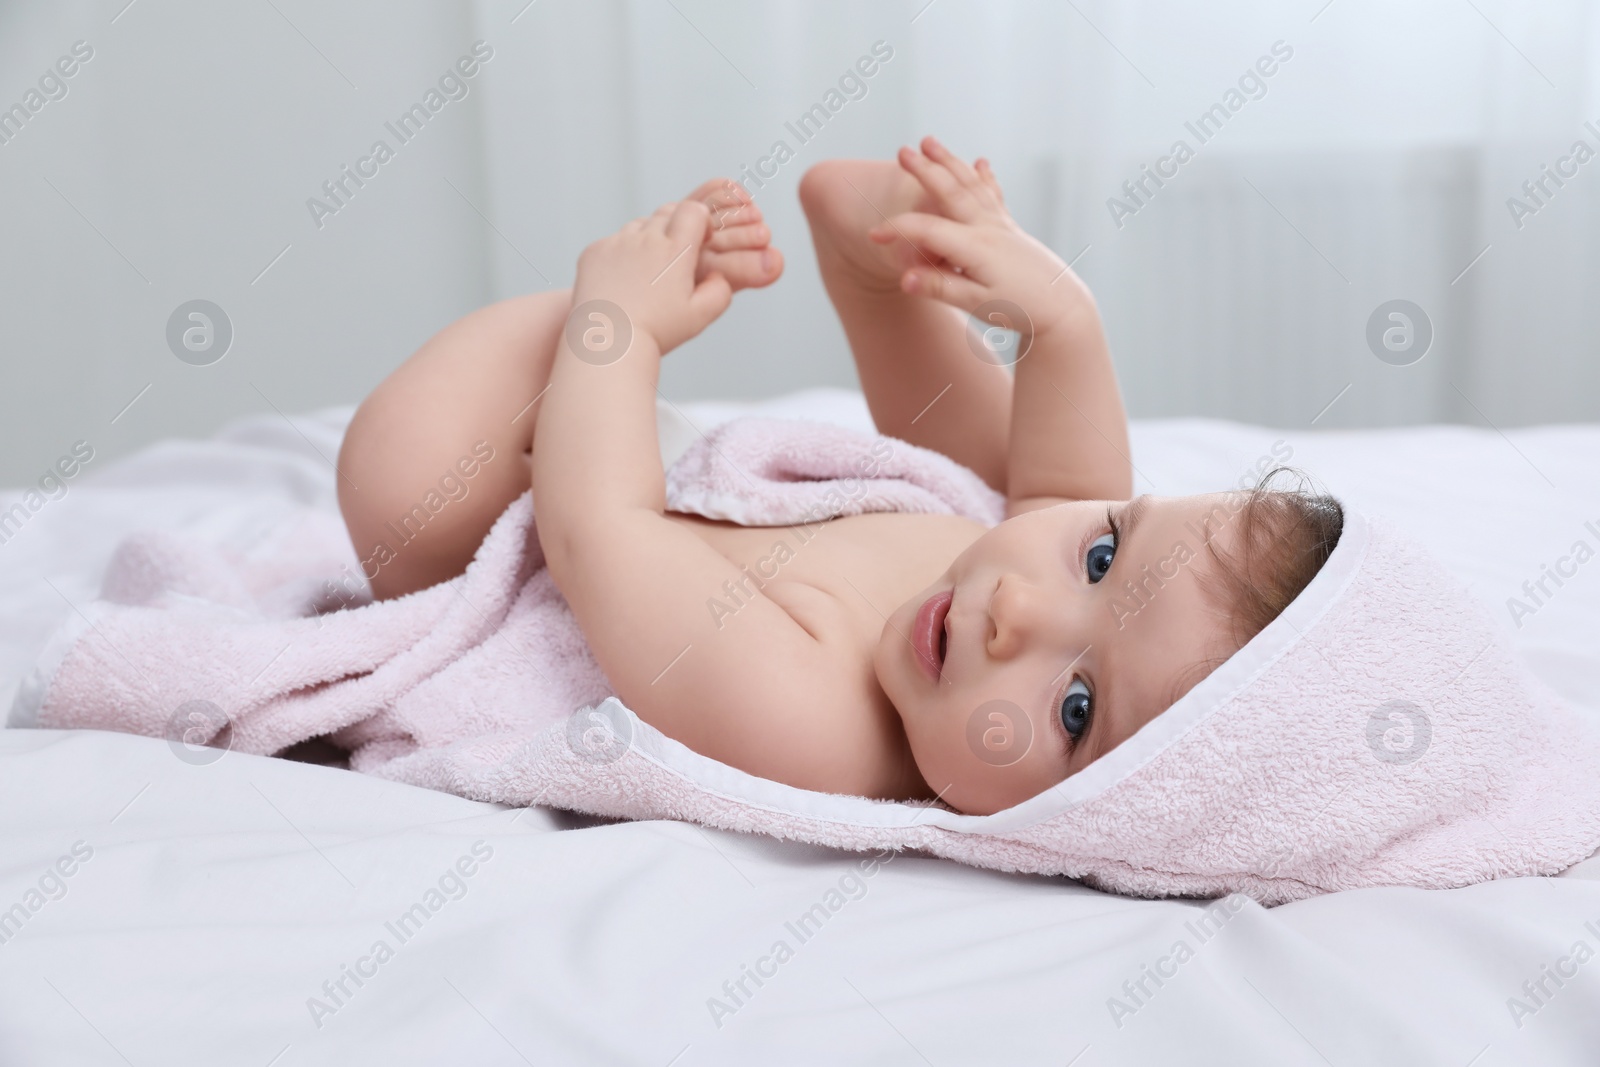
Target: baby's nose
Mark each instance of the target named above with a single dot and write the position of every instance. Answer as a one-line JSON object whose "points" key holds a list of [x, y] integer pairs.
{"points": [[1019, 612]]}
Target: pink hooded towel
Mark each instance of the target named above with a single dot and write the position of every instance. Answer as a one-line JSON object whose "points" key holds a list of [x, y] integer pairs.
{"points": [[1381, 731]]}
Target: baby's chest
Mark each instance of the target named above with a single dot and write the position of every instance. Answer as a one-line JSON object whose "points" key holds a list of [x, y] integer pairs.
{"points": [[839, 581], [865, 565]]}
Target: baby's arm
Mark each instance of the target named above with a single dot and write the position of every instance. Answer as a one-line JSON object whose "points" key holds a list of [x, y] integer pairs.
{"points": [[747, 694], [912, 355], [1069, 435]]}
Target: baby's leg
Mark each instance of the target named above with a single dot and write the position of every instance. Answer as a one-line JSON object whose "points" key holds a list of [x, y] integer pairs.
{"points": [[910, 352], [471, 391]]}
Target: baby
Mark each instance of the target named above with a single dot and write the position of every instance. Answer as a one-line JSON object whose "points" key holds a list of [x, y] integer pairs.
{"points": [[864, 665]]}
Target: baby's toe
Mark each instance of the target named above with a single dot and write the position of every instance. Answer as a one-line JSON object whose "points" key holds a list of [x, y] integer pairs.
{"points": [[739, 242], [730, 204], [736, 238], [745, 268]]}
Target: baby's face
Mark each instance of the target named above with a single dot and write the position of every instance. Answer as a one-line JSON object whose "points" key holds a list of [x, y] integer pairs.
{"points": [[1052, 639]]}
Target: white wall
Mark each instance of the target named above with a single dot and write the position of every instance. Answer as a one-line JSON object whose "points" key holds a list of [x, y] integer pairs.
{"points": [[190, 142], [607, 110], [1383, 155]]}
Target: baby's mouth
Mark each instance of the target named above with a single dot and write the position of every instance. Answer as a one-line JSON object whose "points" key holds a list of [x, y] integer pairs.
{"points": [[930, 634]]}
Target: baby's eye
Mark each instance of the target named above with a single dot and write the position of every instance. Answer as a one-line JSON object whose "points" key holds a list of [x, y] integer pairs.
{"points": [[1076, 708], [1098, 559]]}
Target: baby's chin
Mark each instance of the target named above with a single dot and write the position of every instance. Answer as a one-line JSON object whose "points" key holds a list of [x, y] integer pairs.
{"points": [[953, 776], [956, 799], [883, 662]]}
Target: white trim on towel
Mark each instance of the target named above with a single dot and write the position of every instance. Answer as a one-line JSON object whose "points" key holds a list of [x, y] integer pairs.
{"points": [[30, 691]]}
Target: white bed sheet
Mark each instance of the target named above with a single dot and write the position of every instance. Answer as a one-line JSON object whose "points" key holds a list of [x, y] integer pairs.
{"points": [[219, 898]]}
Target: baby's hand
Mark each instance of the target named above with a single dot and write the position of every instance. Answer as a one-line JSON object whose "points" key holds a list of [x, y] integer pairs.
{"points": [[647, 268], [972, 251]]}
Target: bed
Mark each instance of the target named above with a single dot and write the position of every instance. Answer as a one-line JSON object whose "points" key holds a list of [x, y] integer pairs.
{"points": [[158, 908]]}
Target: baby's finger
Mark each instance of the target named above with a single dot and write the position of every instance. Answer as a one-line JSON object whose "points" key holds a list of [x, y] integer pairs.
{"points": [[936, 151], [949, 240], [945, 286], [654, 222], [711, 297], [937, 180], [986, 172], [689, 221]]}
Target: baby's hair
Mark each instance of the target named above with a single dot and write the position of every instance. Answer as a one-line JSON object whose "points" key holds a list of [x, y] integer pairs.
{"points": [[1284, 536]]}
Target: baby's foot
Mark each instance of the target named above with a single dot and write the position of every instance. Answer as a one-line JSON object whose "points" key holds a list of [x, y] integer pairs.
{"points": [[740, 242], [843, 199]]}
